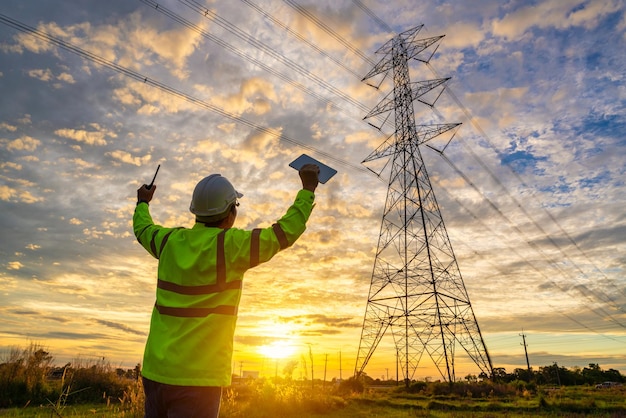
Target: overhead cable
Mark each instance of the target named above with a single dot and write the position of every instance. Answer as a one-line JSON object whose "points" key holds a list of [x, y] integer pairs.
{"points": [[167, 89]]}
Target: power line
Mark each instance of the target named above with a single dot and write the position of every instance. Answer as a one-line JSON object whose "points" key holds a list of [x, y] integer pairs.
{"points": [[300, 37], [202, 10], [310, 16], [154, 83], [537, 270], [238, 52], [378, 20], [167, 89], [521, 233], [475, 124], [601, 295], [499, 182]]}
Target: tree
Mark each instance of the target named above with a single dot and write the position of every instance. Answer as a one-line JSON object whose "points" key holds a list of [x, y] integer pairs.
{"points": [[289, 368], [593, 374], [499, 374], [471, 378], [613, 375], [523, 374]]}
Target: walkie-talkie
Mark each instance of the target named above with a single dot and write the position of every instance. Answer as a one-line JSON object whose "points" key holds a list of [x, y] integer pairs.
{"points": [[149, 186]]}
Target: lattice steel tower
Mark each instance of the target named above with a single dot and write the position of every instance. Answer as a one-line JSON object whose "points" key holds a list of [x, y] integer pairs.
{"points": [[416, 293]]}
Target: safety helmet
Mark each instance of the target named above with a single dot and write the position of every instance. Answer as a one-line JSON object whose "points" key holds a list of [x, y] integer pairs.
{"points": [[213, 196]]}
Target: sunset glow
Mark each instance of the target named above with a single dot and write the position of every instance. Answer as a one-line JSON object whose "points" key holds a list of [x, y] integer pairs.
{"points": [[278, 350], [531, 188]]}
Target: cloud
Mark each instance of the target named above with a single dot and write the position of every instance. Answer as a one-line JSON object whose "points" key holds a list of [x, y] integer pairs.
{"points": [[172, 47], [10, 165], [47, 75], [256, 149], [119, 326], [544, 104], [253, 340], [43, 75], [96, 138], [14, 265], [134, 47], [340, 19], [32, 43], [5, 126], [502, 102], [6, 193], [25, 143], [559, 14], [9, 194], [127, 158], [255, 95], [148, 100], [79, 336], [320, 319], [464, 35], [66, 77]]}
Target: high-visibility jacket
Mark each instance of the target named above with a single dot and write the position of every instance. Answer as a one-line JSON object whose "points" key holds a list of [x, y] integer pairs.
{"points": [[198, 291]]}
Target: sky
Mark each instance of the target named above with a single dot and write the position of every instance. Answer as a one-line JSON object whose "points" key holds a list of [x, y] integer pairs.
{"points": [[531, 186]]}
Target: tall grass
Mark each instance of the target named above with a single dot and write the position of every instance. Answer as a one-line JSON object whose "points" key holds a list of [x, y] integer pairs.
{"points": [[27, 377], [92, 387], [23, 376], [278, 399]]}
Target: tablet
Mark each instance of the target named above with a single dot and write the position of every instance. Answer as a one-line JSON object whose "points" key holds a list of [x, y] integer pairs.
{"points": [[325, 171]]}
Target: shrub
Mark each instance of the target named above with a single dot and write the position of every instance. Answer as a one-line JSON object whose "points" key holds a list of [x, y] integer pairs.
{"points": [[352, 385], [23, 376], [95, 381], [277, 399], [417, 387]]}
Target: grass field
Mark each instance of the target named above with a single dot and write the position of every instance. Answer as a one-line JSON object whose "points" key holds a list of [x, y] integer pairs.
{"points": [[31, 387], [264, 399]]}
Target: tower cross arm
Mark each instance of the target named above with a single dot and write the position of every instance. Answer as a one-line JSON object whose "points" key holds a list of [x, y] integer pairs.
{"points": [[427, 132], [418, 89], [385, 64], [385, 149], [412, 49], [404, 37], [417, 47]]}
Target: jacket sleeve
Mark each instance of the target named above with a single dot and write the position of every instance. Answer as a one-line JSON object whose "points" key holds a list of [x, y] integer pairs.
{"points": [[293, 223], [287, 229], [151, 237]]}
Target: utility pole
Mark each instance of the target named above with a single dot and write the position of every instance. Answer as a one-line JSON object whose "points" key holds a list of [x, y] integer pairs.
{"points": [[558, 377], [340, 376], [416, 292], [397, 362], [312, 376], [525, 351]]}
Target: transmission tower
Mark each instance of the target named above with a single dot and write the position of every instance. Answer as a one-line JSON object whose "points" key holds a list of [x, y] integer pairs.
{"points": [[416, 294]]}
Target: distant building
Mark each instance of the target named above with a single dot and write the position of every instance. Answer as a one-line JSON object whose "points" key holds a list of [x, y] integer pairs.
{"points": [[249, 374], [607, 385]]}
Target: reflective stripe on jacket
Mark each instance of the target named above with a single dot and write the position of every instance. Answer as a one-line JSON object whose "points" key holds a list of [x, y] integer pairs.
{"points": [[198, 291]]}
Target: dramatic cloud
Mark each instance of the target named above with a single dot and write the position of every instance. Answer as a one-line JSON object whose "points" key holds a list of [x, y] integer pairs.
{"points": [[530, 186]]}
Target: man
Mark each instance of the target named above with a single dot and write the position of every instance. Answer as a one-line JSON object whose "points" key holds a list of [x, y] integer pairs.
{"points": [[188, 354]]}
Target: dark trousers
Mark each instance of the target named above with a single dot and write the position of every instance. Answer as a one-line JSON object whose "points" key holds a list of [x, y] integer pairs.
{"points": [[169, 401]]}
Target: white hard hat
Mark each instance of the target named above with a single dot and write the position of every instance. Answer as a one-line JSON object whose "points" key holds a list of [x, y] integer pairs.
{"points": [[212, 196]]}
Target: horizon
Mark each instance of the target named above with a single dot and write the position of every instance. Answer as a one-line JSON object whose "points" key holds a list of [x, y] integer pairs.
{"points": [[267, 366]]}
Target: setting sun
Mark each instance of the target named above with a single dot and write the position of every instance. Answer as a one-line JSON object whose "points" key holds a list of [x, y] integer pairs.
{"points": [[283, 339], [278, 349]]}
